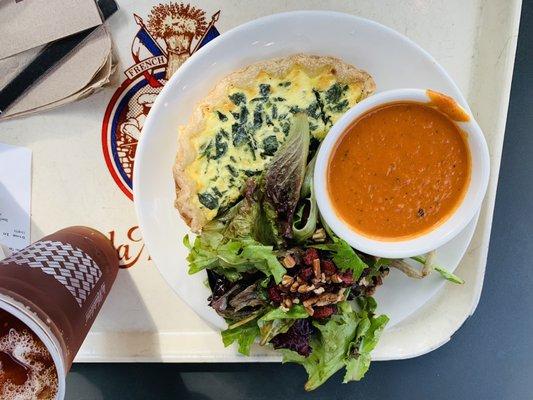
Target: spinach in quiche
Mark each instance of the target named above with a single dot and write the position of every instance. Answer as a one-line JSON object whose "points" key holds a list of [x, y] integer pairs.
{"points": [[242, 131]]}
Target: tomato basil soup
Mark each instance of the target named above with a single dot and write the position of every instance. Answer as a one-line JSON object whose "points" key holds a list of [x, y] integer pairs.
{"points": [[398, 171]]}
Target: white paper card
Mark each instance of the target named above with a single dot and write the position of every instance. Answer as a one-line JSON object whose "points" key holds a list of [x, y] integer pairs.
{"points": [[15, 196]]}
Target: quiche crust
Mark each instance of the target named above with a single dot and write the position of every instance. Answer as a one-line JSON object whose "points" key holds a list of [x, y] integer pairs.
{"points": [[312, 65]]}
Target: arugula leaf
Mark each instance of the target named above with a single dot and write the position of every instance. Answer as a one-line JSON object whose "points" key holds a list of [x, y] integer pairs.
{"points": [[449, 276], [244, 335], [344, 257], [381, 262], [442, 271]]}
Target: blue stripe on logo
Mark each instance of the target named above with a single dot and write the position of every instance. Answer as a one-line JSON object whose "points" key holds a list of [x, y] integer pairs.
{"points": [[210, 35], [148, 42]]}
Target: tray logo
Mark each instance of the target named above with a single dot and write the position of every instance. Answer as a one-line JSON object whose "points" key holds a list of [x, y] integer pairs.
{"points": [[171, 34]]}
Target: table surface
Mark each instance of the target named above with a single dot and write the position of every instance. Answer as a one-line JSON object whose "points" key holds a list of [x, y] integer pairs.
{"points": [[488, 358]]}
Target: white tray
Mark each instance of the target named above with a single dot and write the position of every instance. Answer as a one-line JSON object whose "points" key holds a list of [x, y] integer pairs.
{"points": [[143, 320]]}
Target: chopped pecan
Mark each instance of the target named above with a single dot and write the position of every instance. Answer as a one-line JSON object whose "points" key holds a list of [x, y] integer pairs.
{"points": [[287, 302], [319, 235], [309, 310], [305, 288], [289, 261], [316, 267], [309, 302], [325, 299], [319, 290], [287, 280], [294, 286]]}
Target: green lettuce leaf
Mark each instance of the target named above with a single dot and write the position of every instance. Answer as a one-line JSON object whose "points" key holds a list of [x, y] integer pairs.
{"points": [[278, 321], [266, 227], [269, 329], [228, 245], [329, 347], [233, 257], [297, 311], [244, 335], [356, 368], [303, 230], [346, 340], [243, 222], [358, 361], [344, 257]]}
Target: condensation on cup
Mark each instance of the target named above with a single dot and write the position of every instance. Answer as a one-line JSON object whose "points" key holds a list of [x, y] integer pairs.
{"points": [[50, 294]]}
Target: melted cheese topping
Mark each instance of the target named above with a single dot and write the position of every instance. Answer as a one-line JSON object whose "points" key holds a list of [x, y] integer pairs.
{"points": [[242, 133]]}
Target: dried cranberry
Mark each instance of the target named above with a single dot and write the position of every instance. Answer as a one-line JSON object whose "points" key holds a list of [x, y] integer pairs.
{"points": [[310, 255], [328, 268], [324, 311], [347, 278], [274, 294], [306, 273]]}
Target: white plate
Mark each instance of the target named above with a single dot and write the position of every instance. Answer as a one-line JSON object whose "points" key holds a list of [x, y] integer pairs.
{"points": [[394, 62]]}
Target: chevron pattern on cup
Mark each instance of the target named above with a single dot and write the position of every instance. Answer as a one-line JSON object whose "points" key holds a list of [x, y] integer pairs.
{"points": [[73, 268]]}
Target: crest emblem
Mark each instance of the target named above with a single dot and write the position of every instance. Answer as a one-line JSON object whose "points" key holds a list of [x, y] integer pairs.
{"points": [[170, 35]]}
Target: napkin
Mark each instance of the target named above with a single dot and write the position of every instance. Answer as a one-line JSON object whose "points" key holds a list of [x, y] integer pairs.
{"points": [[87, 68]]}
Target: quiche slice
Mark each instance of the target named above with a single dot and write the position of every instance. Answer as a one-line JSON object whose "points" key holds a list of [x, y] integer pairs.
{"points": [[235, 131]]}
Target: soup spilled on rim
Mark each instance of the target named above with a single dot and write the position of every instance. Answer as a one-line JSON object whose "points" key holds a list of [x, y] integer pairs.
{"points": [[398, 171]]}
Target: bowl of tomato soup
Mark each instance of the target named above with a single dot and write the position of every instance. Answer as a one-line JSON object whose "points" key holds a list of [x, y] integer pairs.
{"points": [[402, 173]]}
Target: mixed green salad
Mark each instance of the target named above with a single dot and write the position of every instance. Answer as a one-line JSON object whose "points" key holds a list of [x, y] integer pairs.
{"points": [[279, 276]]}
